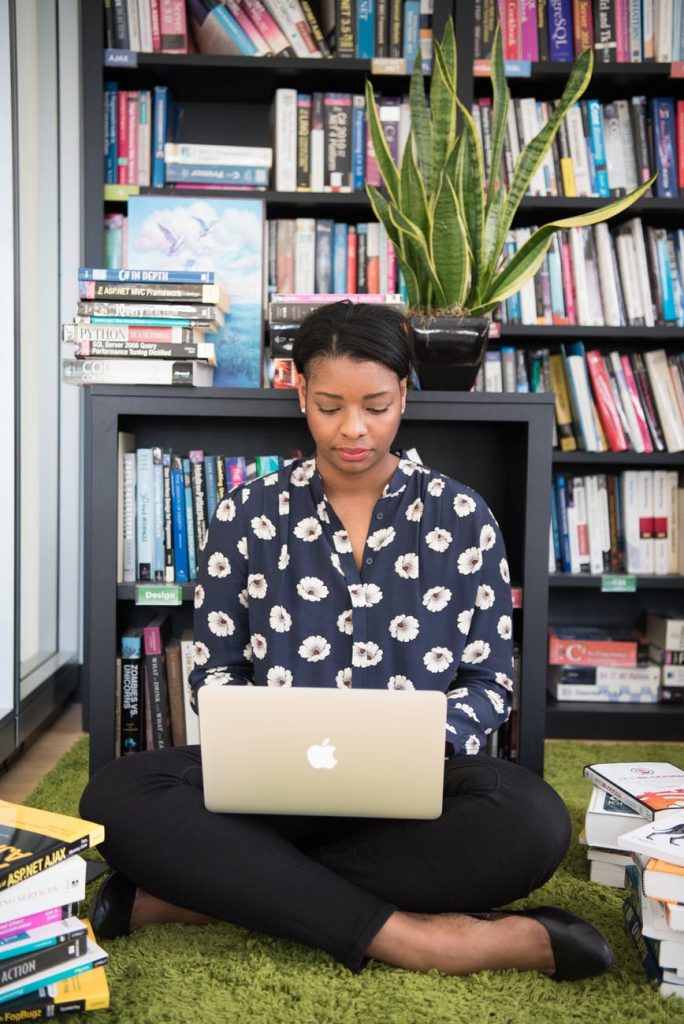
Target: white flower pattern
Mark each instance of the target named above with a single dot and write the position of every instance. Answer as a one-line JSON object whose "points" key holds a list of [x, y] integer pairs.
{"points": [[300, 611]]}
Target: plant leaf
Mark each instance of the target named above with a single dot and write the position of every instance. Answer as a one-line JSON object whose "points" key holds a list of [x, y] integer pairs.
{"points": [[381, 209], [528, 258], [501, 96], [443, 110], [417, 250], [449, 245], [386, 165], [421, 125], [470, 189], [413, 199], [534, 152]]}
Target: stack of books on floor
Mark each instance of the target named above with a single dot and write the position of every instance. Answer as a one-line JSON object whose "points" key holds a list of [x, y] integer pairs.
{"points": [[50, 963], [654, 879], [286, 312], [145, 327], [605, 820]]}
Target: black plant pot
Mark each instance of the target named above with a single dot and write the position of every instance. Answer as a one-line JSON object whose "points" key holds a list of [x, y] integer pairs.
{"points": [[449, 350]]}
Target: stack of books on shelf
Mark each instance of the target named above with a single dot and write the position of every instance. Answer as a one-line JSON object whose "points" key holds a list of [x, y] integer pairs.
{"points": [[189, 165], [665, 637], [654, 903], [144, 327], [629, 522], [49, 961], [286, 312], [601, 149], [559, 30], [400, 30], [626, 275], [588, 663]]}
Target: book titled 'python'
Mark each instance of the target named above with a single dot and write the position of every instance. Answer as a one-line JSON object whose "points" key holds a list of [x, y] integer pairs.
{"points": [[32, 840]]}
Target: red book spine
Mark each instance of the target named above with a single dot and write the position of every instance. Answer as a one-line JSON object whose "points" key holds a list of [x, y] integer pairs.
{"points": [[605, 403], [122, 137], [391, 268], [351, 259], [636, 403], [568, 280], [156, 26], [583, 25], [680, 145], [512, 38], [622, 50], [133, 120], [173, 26]]}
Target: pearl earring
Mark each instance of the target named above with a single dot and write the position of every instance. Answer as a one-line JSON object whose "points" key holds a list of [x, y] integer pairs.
{"points": [[303, 409]]}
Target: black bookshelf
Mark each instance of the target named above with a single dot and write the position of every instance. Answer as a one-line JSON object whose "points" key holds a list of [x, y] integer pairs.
{"points": [[499, 444]]}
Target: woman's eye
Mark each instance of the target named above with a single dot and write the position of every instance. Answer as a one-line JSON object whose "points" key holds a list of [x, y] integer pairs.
{"points": [[378, 412], [327, 412]]}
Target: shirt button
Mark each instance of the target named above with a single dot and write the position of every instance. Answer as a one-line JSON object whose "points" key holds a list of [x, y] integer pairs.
{"points": [[379, 515], [369, 561]]}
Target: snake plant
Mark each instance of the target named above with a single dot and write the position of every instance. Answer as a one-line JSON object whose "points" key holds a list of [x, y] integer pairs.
{"points": [[448, 226]]}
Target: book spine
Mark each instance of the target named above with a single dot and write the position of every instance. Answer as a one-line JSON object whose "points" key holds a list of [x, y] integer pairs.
{"points": [[411, 32], [317, 143], [129, 518], [345, 43], [174, 680], [31, 963], [210, 482], [144, 514], [122, 137], [155, 18], [304, 114], [395, 28], [179, 521], [199, 497], [559, 13], [598, 376], [358, 143], [169, 569], [365, 29], [285, 149], [155, 683], [641, 437], [338, 138], [158, 513], [120, 33], [111, 132], [155, 292], [268, 28], [145, 350], [248, 27], [235, 174], [131, 729], [381, 28], [663, 120], [41, 919], [173, 26], [618, 792], [598, 150], [324, 256]]}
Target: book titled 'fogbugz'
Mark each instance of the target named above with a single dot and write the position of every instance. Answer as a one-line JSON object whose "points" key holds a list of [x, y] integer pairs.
{"points": [[33, 840]]}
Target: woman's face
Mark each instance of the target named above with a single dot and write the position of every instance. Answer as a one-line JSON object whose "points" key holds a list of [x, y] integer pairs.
{"points": [[353, 410]]}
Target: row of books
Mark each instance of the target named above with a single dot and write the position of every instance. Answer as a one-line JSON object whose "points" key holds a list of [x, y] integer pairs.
{"points": [[601, 149], [622, 31], [50, 963], [137, 125], [167, 501], [119, 324], [629, 522], [599, 276], [604, 401], [398, 29], [634, 818]]}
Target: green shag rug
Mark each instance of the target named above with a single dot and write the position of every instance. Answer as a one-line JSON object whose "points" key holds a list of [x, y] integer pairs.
{"points": [[221, 974]]}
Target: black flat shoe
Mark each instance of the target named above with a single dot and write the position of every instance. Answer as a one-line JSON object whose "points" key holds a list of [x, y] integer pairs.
{"points": [[110, 913], [579, 950]]}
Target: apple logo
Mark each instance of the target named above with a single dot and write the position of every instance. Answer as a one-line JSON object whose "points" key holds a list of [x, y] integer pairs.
{"points": [[322, 755]]}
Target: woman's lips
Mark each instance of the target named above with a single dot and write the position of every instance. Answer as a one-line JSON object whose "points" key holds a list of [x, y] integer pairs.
{"points": [[353, 454]]}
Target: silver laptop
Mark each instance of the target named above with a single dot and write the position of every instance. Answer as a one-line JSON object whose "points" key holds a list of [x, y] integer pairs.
{"points": [[303, 750]]}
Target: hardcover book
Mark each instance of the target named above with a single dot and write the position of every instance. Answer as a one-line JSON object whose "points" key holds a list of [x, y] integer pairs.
{"points": [[653, 789], [223, 235], [664, 839]]}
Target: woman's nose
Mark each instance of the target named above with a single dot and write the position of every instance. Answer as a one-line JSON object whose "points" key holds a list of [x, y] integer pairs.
{"points": [[354, 424]]}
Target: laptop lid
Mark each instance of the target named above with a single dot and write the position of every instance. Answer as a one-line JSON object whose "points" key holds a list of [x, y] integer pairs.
{"points": [[304, 750]]}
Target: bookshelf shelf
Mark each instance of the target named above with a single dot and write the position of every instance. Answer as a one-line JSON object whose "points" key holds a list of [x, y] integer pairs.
{"points": [[622, 336], [547, 206], [583, 581], [588, 721], [341, 205], [644, 459]]}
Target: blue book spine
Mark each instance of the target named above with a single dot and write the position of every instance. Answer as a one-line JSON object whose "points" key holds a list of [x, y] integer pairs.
{"points": [[180, 530], [562, 511], [559, 15], [665, 149], [129, 276], [235, 32], [189, 520], [402, 289], [358, 144], [665, 278], [159, 126], [365, 29], [144, 518], [158, 511], [226, 174], [340, 259], [210, 483], [556, 282], [677, 8], [636, 42], [111, 129], [555, 532], [411, 32], [513, 307], [677, 283], [597, 147]]}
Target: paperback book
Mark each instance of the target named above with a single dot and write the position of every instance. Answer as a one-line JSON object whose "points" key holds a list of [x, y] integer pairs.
{"points": [[32, 840], [652, 788]]}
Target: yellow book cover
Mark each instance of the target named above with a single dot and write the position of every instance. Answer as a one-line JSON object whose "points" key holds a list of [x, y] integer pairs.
{"points": [[563, 412], [32, 840]]}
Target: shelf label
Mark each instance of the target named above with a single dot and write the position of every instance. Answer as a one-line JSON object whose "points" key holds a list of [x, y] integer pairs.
{"points": [[120, 193], [120, 58], [482, 68], [388, 66], [618, 584], [158, 594], [677, 69]]}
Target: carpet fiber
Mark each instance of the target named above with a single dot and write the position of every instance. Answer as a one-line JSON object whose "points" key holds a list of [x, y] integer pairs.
{"points": [[221, 974]]}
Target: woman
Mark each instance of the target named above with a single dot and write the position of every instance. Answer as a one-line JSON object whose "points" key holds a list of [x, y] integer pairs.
{"points": [[355, 568]]}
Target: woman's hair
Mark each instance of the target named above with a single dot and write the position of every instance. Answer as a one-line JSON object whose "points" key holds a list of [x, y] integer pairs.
{"points": [[362, 331]]}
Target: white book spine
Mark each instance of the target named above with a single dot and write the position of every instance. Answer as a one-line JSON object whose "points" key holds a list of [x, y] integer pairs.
{"points": [[579, 268], [134, 42], [56, 886], [579, 495], [578, 150], [383, 243], [294, 25], [493, 374], [630, 168], [305, 255], [645, 519], [666, 402], [187, 646], [201, 153], [529, 126], [632, 424], [594, 521], [626, 257], [573, 537], [609, 294], [643, 279], [630, 515], [285, 140], [663, 31], [528, 302], [602, 486], [145, 23], [674, 524], [662, 521]]}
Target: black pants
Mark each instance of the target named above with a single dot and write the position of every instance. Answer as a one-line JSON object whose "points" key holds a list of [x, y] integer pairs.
{"points": [[330, 883]]}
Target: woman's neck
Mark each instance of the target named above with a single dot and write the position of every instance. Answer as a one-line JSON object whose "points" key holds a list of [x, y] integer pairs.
{"points": [[369, 486]]}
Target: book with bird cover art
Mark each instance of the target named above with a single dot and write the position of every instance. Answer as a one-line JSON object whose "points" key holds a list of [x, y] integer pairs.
{"points": [[225, 235]]}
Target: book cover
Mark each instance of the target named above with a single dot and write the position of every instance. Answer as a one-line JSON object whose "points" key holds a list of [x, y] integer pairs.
{"points": [[13, 927], [663, 880], [223, 235], [34, 940], [662, 839], [156, 692], [42, 956], [54, 886], [132, 731], [33, 840], [607, 818], [593, 646], [652, 788], [94, 956]]}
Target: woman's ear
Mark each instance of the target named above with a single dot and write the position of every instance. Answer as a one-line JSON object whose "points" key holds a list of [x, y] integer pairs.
{"points": [[403, 387], [301, 387]]}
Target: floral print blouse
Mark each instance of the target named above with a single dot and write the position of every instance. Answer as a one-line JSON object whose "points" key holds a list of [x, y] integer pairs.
{"points": [[280, 602]]}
